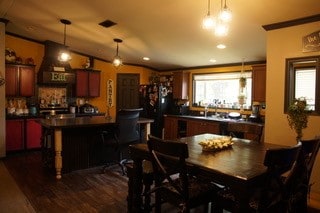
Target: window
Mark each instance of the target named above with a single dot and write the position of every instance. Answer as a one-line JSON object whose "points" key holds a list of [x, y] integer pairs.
{"points": [[302, 81], [220, 88]]}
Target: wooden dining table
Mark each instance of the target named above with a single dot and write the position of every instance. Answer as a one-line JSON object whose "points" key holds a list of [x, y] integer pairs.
{"points": [[239, 167]]}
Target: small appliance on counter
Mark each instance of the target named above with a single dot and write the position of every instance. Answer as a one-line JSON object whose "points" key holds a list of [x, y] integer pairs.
{"points": [[87, 109], [255, 115]]}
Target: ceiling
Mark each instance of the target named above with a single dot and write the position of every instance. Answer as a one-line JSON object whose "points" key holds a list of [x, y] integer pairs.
{"points": [[167, 31]]}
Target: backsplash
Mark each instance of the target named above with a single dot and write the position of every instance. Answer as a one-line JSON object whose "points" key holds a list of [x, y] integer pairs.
{"points": [[49, 96]]}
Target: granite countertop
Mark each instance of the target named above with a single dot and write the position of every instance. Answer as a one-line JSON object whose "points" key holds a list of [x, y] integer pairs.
{"points": [[39, 116], [214, 119], [76, 122]]}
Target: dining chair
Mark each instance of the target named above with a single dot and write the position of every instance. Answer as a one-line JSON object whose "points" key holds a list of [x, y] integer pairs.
{"points": [[298, 185], [245, 131], [182, 189], [271, 195], [125, 132]]}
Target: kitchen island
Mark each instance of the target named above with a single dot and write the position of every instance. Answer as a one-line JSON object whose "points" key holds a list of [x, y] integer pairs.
{"points": [[76, 142]]}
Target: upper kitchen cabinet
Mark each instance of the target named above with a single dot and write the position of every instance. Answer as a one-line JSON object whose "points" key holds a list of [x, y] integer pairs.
{"points": [[87, 83], [259, 83], [20, 80], [180, 85]]}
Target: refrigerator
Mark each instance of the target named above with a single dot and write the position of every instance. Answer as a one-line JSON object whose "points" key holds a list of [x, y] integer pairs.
{"points": [[156, 100]]}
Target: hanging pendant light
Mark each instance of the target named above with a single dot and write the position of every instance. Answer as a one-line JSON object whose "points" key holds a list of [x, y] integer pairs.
{"points": [[208, 22], [225, 13], [117, 61], [64, 54]]}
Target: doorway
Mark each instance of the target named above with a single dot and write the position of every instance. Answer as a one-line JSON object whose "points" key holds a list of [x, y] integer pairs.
{"points": [[128, 91]]}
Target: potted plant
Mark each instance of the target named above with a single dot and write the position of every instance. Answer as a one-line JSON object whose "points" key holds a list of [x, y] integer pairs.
{"points": [[298, 116], [243, 82]]}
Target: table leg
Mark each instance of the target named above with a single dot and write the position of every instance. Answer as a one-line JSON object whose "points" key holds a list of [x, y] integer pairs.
{"points": [[137, 186], [58, 149]]}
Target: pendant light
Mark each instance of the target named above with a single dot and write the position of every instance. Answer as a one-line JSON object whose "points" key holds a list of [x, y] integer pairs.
{"points": [[64, 54], [208, 22], [225, 13], [117, 61]]}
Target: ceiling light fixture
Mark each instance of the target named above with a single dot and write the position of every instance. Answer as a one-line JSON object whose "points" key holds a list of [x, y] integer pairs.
{"points": [[208, 22], [117, 61], [219, 24], [225, 13], [64, 54]]}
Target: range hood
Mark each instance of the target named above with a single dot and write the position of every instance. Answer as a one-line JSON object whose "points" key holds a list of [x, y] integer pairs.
{"points": [[53, 71]]}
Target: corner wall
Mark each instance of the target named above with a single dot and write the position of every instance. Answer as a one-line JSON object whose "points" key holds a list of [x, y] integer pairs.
{"points": [[281, 44]]}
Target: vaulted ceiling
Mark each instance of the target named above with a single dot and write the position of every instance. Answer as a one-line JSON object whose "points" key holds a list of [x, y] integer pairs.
{"points": [[167, 31]]}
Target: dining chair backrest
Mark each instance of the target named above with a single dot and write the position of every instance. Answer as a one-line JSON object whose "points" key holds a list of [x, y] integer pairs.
{"points": [[127, 125], [245, 130], [278, 162], [298, 181], [169, 157]]}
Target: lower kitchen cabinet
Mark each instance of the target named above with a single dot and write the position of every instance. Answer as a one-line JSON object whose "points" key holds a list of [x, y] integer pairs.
{"points": [[170, 128], [33, 134], [14, 135], [22, 134], [195, 127]]}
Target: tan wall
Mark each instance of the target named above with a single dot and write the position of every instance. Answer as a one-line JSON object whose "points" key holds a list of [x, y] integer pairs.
{"points": [[282, 44], [25, 49]]}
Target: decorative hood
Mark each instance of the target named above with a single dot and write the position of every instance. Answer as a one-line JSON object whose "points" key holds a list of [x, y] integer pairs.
{"points": [[53, 71]]}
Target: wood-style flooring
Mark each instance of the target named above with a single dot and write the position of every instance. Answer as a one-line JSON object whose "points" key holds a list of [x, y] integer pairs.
{"points": [[88, 190]]}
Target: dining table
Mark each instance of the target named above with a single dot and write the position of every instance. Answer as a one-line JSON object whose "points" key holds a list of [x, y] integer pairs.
{"points": [[239, 167]]}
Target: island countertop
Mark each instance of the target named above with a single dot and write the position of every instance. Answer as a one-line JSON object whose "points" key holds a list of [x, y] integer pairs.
{"points": [[82, 122]]}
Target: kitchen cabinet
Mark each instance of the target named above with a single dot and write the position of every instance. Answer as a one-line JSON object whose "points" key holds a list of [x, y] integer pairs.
{"points": [[195, 127], [170, 128], [87, 83], [180, 85], [23, 134], [20, 80], [259, 83], [14, 135], [32, 134]]}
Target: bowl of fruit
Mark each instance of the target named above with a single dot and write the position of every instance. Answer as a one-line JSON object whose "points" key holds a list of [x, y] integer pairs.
{"points": [[215, 144]]}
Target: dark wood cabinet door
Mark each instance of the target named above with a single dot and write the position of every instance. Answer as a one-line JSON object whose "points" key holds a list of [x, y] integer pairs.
{"points": [[11, 80], [180, 85], [20, 80], [26, 81], [259, 83], [94, 84], [200, 127], [81, 83], [14, 135], [33, 134], [170, 128]]}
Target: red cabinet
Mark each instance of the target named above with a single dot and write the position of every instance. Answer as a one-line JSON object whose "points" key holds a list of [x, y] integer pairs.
{"points": [[14, 135], [87, 83], [23, 134], [20, 80], [33, 134]]}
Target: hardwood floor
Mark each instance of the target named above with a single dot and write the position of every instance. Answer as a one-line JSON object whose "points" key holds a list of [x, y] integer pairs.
{"points": [[81, 191]]}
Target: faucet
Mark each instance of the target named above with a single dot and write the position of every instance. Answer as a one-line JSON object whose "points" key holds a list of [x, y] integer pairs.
{"points": [[205, 111]]}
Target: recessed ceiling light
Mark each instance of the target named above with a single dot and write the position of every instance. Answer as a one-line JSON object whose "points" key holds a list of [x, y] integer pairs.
{"points": [[213, 60], [146, 58], [30, 28], [221, 46]]}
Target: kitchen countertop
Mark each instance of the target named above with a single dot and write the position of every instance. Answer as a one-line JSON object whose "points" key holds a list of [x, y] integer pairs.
{"points": [[213, 118], [29, 116]]}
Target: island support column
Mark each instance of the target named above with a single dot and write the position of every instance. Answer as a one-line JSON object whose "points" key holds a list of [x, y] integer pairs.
{"points": [[58, 149]]}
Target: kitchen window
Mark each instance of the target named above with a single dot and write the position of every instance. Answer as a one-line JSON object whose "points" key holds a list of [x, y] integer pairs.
{"points": [[303, 81], [221, 89]]}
